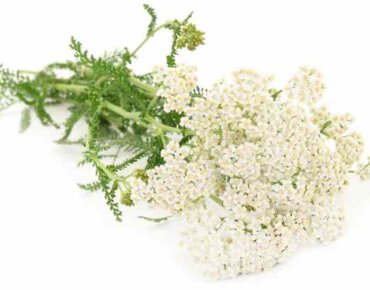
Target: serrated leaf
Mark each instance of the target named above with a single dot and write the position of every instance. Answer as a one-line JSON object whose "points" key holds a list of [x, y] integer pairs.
{"points": [[127, 162], [153, 20], [155, 220], [25, 120], [71, 121], [94, 186]]}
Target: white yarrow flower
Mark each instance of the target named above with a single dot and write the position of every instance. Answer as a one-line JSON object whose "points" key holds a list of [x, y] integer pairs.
{"points": [[273, 160]]}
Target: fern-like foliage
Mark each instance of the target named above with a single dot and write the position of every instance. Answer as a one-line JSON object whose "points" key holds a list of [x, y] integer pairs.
{"points": [[16, 86], [8, 87], [109, 189], [127, 162], [93, 186], [80, 54], [175, 28], [197, 92], [153, 21], [121, 108], [77, 113]]}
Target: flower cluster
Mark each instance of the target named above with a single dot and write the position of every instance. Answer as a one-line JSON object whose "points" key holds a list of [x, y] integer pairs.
{"points": [[306, 86], [226, 246], [177, 184], [274, 160], [190, 37], [364, 170], [175, 85], [329, 124]]}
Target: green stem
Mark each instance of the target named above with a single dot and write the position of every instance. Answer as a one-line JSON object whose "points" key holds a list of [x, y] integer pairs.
{"points": [[78, 88], [112, 176], [30, 72], [147, 38], [135, 116], [216, 199], [152, 103], [147, 89], [70, 87], [101, 80], [161, 126], [118, 110], [107, 172]]}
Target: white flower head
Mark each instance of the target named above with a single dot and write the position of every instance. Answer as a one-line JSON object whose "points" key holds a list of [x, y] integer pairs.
{"points": [[306, 86], [275, 161], [175, 85]]}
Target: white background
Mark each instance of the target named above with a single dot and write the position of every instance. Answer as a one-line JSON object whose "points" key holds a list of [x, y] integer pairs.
{"points": [[54, 236]]}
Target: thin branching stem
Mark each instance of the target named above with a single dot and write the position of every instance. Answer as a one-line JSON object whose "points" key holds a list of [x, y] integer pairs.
{"points": [[149, 36]]}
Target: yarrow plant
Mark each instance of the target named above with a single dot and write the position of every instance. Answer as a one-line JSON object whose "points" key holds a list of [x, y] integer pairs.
{"points": [[254, 171]]}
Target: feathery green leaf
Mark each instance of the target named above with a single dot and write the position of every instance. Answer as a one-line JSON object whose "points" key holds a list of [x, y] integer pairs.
{"points": [[25, 120]]}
